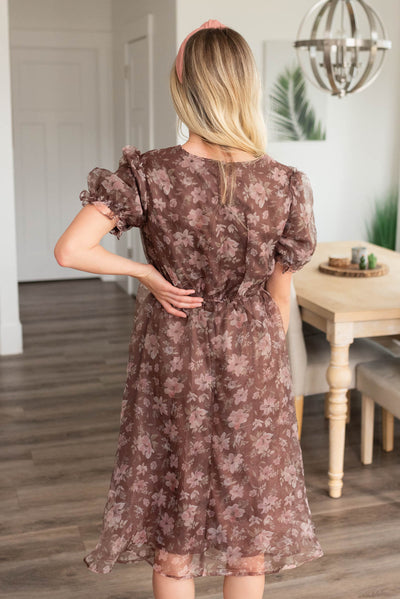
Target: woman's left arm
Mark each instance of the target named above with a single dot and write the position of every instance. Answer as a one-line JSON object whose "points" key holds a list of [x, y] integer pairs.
{"points": [[278, 286]]}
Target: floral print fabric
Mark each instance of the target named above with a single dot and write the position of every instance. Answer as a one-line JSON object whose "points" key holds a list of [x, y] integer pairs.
{"points": [[208, 476]]}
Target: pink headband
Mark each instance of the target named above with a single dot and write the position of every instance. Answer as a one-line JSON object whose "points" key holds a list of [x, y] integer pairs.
{"points": [[211, 23]]}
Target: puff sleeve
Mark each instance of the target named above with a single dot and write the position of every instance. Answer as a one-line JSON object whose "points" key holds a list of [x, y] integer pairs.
{"points": [[298, 241], [120, 194]]}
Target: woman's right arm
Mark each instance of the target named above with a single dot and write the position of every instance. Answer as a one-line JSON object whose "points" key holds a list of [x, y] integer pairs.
{"points": [[79, 247]]}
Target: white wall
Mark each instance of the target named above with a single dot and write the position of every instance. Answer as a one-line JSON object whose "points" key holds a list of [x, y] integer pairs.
{"points": [[164, 20], [361, 156], [10, 326], [86, 15]]}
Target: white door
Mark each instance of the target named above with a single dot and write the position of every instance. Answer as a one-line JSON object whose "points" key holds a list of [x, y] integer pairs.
{"points": [[138, 116], [55, 128]]}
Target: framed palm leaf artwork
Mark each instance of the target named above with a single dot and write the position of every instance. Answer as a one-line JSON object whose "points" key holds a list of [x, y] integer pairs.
{"points": [[294, 109]]}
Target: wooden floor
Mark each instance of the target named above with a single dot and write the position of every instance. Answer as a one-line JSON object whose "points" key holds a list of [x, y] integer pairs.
{"points": [[59, 409]]}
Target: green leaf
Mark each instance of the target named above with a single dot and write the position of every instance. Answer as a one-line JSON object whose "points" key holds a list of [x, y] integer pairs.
{"points": [[292, 113], [382, 228]]}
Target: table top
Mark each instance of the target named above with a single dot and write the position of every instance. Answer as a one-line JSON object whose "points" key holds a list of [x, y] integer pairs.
{"points": [[349, 299]]}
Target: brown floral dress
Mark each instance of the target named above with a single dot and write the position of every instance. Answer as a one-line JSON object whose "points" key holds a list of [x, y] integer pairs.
{"points": [[208, 476]]}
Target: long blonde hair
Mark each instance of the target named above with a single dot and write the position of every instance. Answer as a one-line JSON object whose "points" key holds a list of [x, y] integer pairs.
{"points": [[220, 96]]}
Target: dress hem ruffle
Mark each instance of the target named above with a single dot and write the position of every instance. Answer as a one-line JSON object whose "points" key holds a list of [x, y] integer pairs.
{"points": [[288, 565]]}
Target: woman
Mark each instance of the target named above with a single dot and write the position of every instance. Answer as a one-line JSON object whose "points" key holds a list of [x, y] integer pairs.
{"points": [[208, 476]]}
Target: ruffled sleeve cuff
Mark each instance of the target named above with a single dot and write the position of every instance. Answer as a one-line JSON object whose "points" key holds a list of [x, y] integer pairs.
{"points": [[119, 195], [298, 241]]}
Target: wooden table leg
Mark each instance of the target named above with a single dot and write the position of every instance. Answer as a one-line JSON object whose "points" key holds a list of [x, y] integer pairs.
{"points": [[339, 378]]}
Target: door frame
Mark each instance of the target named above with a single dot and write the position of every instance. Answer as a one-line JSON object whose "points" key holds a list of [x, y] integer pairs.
{"points": [[141, 27]]}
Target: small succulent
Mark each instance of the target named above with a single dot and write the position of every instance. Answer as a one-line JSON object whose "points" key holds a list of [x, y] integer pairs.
{"points": [[363, 264], [372, 259]]}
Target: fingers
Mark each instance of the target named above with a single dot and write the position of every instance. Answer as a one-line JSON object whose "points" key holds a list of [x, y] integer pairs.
{"points": [[180, 290], [169, 296], [181, 302], [171, 310], [171, 289]]}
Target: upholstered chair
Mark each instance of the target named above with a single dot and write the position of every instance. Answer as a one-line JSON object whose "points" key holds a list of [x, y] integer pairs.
{"points": [[378, 382]]}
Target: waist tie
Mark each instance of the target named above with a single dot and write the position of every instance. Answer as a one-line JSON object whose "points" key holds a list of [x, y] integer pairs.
{"points": [[213, 303]]}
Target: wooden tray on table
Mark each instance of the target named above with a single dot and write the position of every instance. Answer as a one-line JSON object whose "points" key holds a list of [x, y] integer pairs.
{"points": [[353, 270]]}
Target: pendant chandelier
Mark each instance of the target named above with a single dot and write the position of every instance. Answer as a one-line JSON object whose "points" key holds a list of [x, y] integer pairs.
{"points": [[345, 45]]}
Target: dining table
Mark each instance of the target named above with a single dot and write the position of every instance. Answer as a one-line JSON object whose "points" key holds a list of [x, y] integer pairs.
{"points": [[346, 308]]}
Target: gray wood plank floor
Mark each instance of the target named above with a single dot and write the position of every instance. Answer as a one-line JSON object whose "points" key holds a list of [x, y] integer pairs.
{"points": [[59, 410]]}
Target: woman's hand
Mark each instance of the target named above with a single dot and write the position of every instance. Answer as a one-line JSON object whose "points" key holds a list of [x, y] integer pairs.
{"points": [[166, 293]]}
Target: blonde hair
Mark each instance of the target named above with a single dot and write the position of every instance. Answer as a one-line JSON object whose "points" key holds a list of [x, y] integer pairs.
{"points": [[220, 96]]}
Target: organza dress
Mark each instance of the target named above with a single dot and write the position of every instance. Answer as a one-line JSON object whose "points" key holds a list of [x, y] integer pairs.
{"points": [[208, 476]]}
